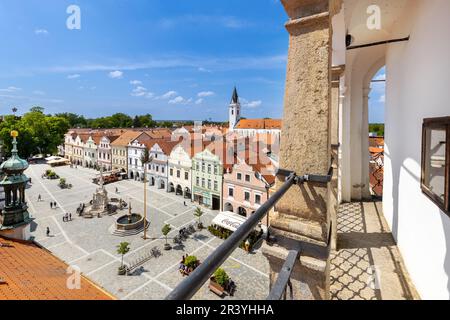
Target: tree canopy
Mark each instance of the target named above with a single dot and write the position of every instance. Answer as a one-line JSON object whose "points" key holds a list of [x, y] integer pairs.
{"points": [[38, 133]]}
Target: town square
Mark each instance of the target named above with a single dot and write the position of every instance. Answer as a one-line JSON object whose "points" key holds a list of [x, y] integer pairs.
{"points": [[89, 245], [221, 151]]}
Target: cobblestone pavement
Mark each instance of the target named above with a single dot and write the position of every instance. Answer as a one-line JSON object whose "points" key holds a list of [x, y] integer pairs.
{"points": [[367, 264], [88, 244]]}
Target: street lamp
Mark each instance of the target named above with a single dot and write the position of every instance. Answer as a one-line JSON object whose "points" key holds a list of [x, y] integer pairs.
{"points": [[145, 159]]}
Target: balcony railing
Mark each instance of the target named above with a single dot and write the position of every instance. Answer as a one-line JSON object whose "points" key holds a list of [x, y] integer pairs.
{"points": [[189, 286]]}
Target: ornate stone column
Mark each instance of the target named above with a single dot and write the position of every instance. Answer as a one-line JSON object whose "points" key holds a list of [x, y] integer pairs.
{"points": [[303, 214]]}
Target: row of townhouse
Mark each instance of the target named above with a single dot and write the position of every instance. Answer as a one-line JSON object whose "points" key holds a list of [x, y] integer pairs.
{"points": [[216, 174]]}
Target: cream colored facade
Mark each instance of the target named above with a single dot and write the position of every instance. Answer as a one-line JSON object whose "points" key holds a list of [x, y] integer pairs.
{"points": [[180, 171]]}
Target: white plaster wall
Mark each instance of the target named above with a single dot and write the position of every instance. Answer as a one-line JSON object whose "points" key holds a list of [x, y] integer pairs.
{"points": [[418, 86]]}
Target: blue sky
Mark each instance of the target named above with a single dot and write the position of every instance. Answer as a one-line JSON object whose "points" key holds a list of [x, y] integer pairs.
{"points": [[174, 59]]}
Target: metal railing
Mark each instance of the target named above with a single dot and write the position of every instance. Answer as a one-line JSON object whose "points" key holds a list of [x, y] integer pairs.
{"points": [[189, 286]]}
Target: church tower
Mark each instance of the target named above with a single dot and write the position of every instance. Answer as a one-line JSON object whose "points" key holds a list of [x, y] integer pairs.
{"points": [[234, 110]]}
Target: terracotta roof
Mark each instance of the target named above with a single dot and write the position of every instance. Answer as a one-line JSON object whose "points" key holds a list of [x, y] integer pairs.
{"points": [[126, 138], [29, 272], [259, 124], [167, 146]]}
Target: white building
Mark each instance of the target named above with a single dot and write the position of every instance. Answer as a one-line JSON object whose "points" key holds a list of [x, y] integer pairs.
{"points": [[412, 43], [250, 127], [158, 167], [136, 149], [180, 170]]}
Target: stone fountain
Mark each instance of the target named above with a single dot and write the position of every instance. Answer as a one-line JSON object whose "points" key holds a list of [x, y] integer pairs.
{"points": [[130, 224], [100, 204]]}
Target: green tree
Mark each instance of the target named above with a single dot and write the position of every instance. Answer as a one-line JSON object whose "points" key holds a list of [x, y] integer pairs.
{"points": [[198, 213], [123, 248], [137, 122], [166, 230], [221, 277], [74, 120]]}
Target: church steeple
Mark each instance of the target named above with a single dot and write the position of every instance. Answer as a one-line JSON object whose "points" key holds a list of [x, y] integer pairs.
{"points": [[235, 110], [235, 97]]}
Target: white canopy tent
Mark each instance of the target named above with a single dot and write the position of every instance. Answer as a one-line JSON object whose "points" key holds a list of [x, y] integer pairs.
{"points": [[231, 221]]}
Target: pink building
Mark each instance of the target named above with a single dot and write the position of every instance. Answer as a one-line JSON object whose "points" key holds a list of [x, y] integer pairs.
{"points": [[246, 187]]}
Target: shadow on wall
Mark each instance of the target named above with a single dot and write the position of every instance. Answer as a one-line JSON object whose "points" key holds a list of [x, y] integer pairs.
{"points": [[446, 225]]}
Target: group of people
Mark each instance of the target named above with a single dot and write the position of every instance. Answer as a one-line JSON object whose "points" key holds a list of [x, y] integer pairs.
{"points": [[53, 205], [183, 268], [67, 217]]}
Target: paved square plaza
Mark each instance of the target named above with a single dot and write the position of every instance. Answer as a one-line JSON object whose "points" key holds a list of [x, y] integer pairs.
{"points": [[89, 245]]}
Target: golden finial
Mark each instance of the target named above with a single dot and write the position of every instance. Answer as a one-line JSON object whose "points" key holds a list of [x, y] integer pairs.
{"points": [[14, 134]]}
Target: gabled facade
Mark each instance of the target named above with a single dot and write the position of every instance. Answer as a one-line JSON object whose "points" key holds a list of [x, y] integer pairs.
{"points": [[136, 149], [90, 151], [207, 176], [119, 150], [246, 187], [104, 154], [78, 149], [157, 170]]}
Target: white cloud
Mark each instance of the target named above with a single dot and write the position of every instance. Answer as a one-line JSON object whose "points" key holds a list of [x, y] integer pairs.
{"points": [[73, 76], [11, 89], [115, 74], [39, 93], [168, 95], [205, 94], [135, 82], [199, 101], [382, 99], [41, 31], [203, 62], [250, 104], [180, 100], [141, 92], [201, 69]]}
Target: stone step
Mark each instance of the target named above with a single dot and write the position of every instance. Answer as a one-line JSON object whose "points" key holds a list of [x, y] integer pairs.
{"points": [[126, 233]]}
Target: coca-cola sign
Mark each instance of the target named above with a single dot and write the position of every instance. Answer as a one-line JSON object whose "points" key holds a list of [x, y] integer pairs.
{"points": [[231, 223]]}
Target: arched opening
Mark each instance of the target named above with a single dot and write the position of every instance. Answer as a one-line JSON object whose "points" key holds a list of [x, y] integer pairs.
{"points": [[242, 212], [179, 190], [187, 193], [152, 181], [171, 187], [228, 207], [162, 184], [376, 107]]}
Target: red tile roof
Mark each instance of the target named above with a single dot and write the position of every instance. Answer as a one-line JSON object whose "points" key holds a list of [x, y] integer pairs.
{"points": [[29, 272], [126, 138], [259, 124]]}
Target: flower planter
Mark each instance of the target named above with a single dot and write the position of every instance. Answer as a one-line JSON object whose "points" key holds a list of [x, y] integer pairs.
{"points": [[216, 288], [167, 247]]}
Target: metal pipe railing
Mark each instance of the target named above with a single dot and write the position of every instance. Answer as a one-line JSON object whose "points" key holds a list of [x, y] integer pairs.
{"points": [[279, 288], [189, 286]]}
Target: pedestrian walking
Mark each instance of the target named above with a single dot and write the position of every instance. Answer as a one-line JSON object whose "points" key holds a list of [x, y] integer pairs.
{"points": [[39, 198], [48, 232], [51, 205], [55, 204], [117, 190], [70, 216]]}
